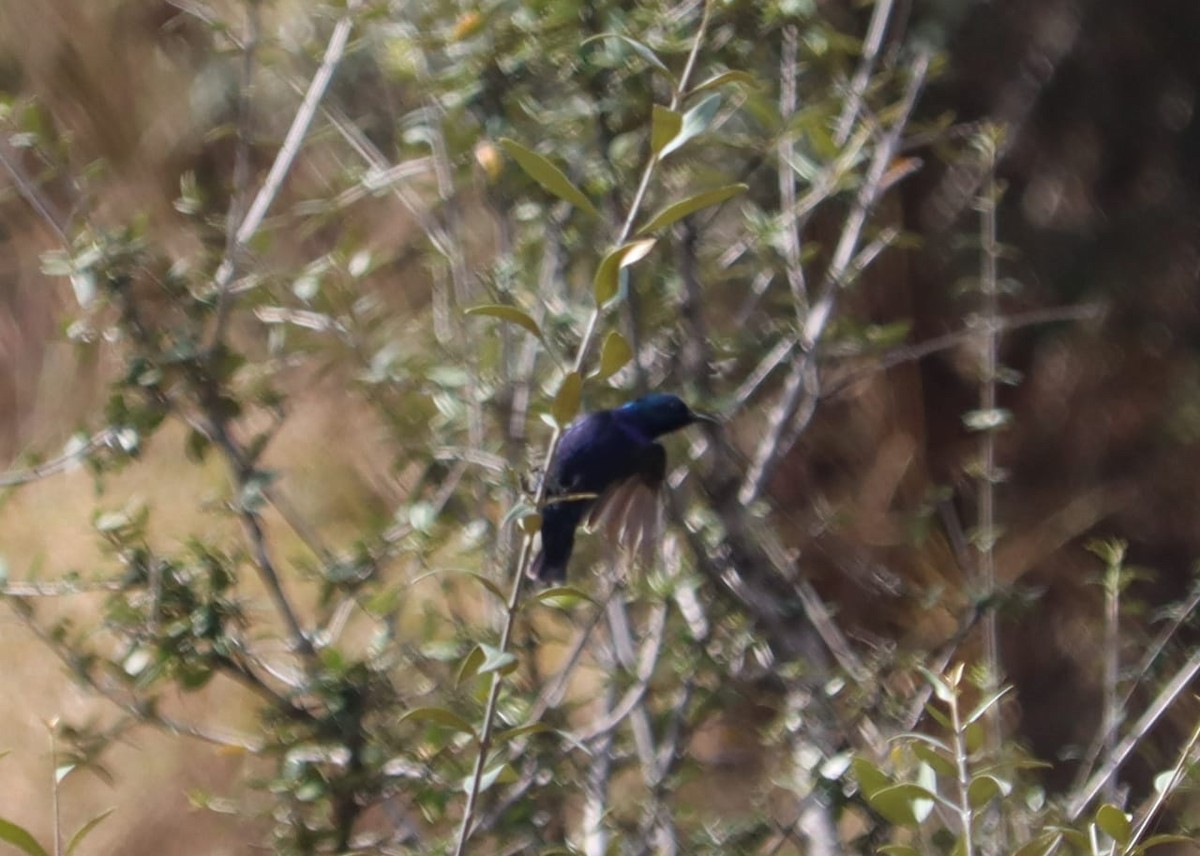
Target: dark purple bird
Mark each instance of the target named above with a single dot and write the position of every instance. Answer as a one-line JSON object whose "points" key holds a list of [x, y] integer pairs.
{"points": [[605, 458]]}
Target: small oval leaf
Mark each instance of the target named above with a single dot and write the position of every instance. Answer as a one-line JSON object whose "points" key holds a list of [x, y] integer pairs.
{"points": [[742, 77], [20, 838], [521, 731], [85, 830], [495, 660], [440, 716], [640, 49], [566, 401], [691, 205], [547, 175], [469, 667], [511, 314], [695, 122], [870, 778], [984, 788], [607, 280], [561, 597], [1115, 823], [664, 125], [900, 804], [614, 354]]}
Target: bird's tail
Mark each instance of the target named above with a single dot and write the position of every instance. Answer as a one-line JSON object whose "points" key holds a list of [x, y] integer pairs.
{"points": [[547, 573]]}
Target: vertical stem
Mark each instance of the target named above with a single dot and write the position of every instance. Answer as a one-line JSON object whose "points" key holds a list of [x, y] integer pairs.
{"points": [[986, 542], [1108, 725], [964, 780]]}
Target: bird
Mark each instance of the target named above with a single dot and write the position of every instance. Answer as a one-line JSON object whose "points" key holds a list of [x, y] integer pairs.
{"points": [[608, 468]]}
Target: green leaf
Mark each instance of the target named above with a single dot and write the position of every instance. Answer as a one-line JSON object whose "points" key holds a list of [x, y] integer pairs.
{"points": [[985, 705], [521, 509], [561, 597], [870, 778], [500, 773], [695, 122], [547, 175], [742, 77], [664, 125], [984, 788], [521, 731], [495, 660], [511, 314], [195, 446], [1115, 823], [1039, 846], [691, 205], [85, 830], [607, 281], [899, 850], [20, 838], [566, 401], [530, 524], [642, 50], [902, 804], [614, 354], [439, 716], [469, 667], [941, 688], [935, 759]]}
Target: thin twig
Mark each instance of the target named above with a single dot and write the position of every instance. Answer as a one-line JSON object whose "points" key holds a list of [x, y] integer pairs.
{"points": [[281, 167], [1174, 688], [862, 74], [62, 463], [770, 448]]}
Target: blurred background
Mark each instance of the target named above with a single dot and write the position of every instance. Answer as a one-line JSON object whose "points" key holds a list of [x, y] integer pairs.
{"points": [[118, 111]]}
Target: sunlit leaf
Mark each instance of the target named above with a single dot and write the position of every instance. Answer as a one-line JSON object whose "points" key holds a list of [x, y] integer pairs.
{"points": [[499, 774], [664, 125], [899, 803], [439, 716], [511, 314], [561, 597], [679, 210], [695, 122], [547, 175], [469, 667], [530, 524], [85, 830], [614, 354], [727, 77], [870, 778], [567, 399], [986, 705], [642, 50], [495, 660], [20, 838], [607, 281], [1115, 823], [520, 731], [984, 788]]}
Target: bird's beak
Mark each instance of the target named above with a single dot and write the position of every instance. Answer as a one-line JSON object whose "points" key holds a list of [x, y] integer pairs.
{"points": [[698, 416]]}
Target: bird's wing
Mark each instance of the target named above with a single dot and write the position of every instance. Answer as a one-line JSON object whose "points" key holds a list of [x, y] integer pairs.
{"points": [[630, 511]]}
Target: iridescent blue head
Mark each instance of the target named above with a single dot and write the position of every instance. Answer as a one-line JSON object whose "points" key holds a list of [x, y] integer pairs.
{"points": [[658, 413]]}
